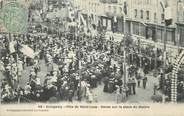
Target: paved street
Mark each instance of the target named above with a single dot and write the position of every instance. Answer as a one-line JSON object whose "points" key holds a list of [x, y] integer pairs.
{"points": [[142, 95]]}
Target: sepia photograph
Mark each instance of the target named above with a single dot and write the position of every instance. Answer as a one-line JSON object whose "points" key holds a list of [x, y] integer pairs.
{"points": [[92, 51]]}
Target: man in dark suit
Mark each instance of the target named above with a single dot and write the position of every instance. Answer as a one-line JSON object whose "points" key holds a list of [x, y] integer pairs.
{"points": [[133, 86], [145, 82]]}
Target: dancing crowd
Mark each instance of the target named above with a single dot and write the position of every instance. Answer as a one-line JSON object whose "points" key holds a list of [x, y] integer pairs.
{"points": [[76, 63]]}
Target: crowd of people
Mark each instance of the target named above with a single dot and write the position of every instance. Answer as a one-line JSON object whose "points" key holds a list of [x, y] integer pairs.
{"points": [[76, 63]]}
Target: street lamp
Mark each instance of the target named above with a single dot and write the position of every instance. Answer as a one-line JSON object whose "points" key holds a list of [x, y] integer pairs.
{"points": [[140, 22], [165, 39], [155, 51], [124, 51]]}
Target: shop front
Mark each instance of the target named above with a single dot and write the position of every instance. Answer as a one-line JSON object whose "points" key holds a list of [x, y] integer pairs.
{"points": [[139, 29], [156, 33]]}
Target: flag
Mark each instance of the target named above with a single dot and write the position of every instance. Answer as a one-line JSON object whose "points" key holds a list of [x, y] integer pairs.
{"points": [[125, 8], [12, 47], [168, 16], [26, 50]]}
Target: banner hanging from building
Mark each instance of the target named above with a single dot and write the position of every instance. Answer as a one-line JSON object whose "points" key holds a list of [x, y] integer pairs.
{"points": [[168, 16], [26, 50]]}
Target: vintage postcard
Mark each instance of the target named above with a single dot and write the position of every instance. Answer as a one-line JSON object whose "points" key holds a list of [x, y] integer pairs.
{"points": [[92, 57]]}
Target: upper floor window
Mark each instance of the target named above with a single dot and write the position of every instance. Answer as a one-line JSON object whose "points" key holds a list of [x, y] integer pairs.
{"points": [[147, 15], [135, 13], [155, 16], [142, 14]]}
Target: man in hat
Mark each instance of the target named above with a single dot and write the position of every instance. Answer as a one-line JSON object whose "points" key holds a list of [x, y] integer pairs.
{"points": [[180, 87], [129, 85], [93, 81], [70, 95]]}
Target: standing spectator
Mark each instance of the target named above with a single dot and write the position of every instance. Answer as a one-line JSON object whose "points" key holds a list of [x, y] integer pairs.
{"points": [[79, 93], [70, 95], [129, 86], [93, 81], [123, 93], [180, 87], [133, 86], [118, 94], [89, 95], [105, 84], [111, 84], [145, 82], [138, 79]]}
